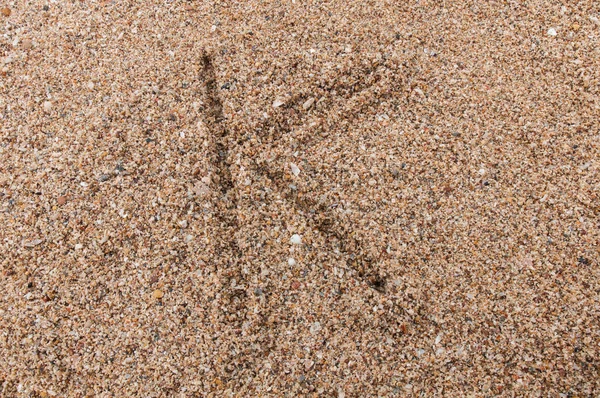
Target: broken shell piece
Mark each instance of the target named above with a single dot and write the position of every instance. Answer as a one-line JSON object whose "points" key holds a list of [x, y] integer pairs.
{"points": [[295, 169], [33, 243], [308, 104]]}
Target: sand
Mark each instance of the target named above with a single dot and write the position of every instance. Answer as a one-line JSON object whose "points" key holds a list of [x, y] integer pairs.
{"points": [[299, 198]]}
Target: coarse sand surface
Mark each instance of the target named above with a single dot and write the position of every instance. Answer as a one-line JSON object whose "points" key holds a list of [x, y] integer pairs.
{"points": [[299, 198]]}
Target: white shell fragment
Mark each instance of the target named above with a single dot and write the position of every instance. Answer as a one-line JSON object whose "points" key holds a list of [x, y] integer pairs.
{"points": [[295, 169], [33, 243], [309, 102]]}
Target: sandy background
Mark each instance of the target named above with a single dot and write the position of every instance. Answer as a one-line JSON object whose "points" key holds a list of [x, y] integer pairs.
{"points": [[299, 198]]}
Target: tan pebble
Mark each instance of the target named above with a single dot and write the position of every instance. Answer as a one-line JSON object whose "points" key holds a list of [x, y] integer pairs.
{"points": [[308, 364], [158, 294], [575, 26], [47, 106], [295, 285], [201, 189], [6, 12], [61, 200], [26, 44]]}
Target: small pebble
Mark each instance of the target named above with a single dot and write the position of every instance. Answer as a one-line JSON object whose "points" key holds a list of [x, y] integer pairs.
{"points": [[61, 200], [47, 106], [278, 102], [552, 32], [201, 189], [6, 11], [158, 294], [291, 262], [583, 260], [315, 328], [296, 239], [26, 44]]}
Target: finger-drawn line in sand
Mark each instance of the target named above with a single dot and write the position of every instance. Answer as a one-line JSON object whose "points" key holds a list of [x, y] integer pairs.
{"points": [[323, 220], [360, 265], [219, 159], [363, 88]]}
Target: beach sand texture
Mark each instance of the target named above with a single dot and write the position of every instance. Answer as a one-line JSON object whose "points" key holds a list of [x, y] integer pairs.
{"points": [[299, 198]]}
